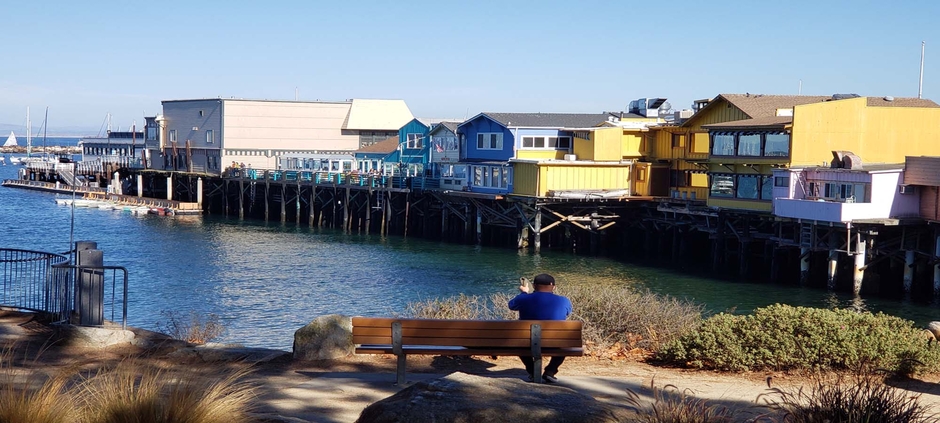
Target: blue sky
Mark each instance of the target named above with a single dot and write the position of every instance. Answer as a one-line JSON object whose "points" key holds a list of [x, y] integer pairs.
{"points": [[452, 59]]}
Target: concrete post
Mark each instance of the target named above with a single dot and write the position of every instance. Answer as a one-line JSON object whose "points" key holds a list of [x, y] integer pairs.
{"points": [[169, 187], [116, 183], [908, 270], [444, 224], [833, 270], [538, 230], [479, 226], [140, 185], [89, 284], [199, 192], [241, 199], [936, 268], [804, 265], [858, 270]]}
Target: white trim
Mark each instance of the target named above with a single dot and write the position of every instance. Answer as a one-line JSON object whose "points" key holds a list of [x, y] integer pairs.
{"points": [[545, 142], [488, 136]]}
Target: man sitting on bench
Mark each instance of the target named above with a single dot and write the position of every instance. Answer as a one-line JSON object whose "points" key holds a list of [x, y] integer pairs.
{"points": [[541, 304]]}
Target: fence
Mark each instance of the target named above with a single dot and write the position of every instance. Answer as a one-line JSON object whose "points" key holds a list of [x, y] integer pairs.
{"points": [[50, 283]]}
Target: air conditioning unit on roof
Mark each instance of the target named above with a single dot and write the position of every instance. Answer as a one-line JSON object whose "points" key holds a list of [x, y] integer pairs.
{"points": [[571, 157]]}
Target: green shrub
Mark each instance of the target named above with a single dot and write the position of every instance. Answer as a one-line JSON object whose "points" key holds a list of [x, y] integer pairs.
{"points": [[866, 399], [782, 337], [611, 314]]}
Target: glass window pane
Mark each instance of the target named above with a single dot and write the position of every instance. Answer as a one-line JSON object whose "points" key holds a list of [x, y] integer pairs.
{"points": [[552, 142], [496, 177], [564, 143], [747, 187], [749, 145], [493, 140], [479, 141], [527, 142], [724, 145], [782, 181], [767, 188], [478, 176], [722, 185], [539, 142], [777, 145]]}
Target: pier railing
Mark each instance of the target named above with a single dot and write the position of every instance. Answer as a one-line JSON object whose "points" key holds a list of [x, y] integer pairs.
{"points": [[49, 283]]}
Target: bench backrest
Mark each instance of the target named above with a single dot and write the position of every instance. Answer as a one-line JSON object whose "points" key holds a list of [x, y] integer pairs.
{"points": [[467, 333]]}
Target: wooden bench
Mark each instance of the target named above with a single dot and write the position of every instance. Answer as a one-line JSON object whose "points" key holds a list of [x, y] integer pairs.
{"points": [[533, 338]]}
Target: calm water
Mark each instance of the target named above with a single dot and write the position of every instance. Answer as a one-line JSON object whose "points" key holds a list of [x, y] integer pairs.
{"points": [[267, 280]]}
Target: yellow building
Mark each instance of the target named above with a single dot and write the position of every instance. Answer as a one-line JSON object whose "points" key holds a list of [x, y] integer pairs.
{"points": [[743, 152], [680, 151], [605, 163]]}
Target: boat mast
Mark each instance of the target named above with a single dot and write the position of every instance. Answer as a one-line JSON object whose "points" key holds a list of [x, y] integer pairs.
{"points": [[45, 128], [29, 144]]}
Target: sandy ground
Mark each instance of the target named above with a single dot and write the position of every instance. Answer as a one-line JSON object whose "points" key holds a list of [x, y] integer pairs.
{"points": [[338, 390]]}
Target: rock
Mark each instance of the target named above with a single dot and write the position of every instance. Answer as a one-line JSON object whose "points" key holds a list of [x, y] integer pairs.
{"points": [[460, 397], [934, 328], [214, 352], [325, 338], [96, 337]]}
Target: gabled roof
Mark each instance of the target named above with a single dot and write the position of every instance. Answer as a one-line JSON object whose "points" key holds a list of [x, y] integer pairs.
{"points": [[385, 146], [450, 126], [761, 105], [389, 115], [544, 120], [901, 102]]}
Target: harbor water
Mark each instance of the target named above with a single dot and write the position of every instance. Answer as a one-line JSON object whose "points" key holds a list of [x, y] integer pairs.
{"points": [[266, 280]]}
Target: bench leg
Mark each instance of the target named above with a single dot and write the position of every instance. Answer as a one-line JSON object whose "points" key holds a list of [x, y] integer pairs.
{"points": [[400, 372], [537, 369]]}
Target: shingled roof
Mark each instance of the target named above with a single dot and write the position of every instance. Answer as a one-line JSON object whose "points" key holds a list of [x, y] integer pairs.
{"points": [[548, 120], [901, 102], [761, 105], [385, 146]]}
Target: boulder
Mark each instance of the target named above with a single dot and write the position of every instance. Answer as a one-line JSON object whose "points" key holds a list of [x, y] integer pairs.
{"points": [[214, 352], [325, 338], [460, 397], [934, 328], [96, 337]]}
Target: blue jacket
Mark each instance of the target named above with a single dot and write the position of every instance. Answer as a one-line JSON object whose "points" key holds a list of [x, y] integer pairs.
{"points": [[541, 306]]}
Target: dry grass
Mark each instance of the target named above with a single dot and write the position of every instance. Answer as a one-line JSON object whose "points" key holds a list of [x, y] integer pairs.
{"points": [[193, 328], [615, 317], [134, 392], [865, 398], [672, 405], [22, 401]]}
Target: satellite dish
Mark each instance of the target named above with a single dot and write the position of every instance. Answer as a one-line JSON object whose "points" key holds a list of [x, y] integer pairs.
{"points": [[665, 109]]}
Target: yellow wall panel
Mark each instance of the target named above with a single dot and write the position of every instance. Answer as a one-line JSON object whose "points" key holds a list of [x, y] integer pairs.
{"points": [[525, 178], [876, 134], [540, 154], [730, 203]]}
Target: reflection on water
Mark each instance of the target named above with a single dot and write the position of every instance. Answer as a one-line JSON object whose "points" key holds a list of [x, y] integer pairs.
{"points": [[266, 280]]}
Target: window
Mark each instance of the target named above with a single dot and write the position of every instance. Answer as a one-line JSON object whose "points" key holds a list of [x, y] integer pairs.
{"points": [[679, 178], [777, 145], [202, 113], [478, 175], [641, 174], [749, 145], [767, 188], [782, 181], [748, 187], [723, 145], [210, 136], [678, 140], [722, 185], [172, 135], [414, 140], [555, 143], [151, 133], [489, 141]]}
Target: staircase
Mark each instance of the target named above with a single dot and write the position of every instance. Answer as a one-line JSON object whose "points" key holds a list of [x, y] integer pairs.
{"points": [[807, 235]]}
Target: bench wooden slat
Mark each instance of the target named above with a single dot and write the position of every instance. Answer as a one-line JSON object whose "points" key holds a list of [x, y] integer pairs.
{"points": [[471, 342], [465, 324], [466, 333], [385, 349]]}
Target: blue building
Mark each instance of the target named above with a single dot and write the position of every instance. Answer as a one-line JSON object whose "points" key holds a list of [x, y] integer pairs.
{"points": [[489, 140], [412, 153]]}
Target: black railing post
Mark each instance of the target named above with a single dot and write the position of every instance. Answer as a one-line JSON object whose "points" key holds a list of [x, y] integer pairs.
{"points": [[89, 298]]}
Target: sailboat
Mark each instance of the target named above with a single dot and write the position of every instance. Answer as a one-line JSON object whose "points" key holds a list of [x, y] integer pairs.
{"points": [[11, 141]]}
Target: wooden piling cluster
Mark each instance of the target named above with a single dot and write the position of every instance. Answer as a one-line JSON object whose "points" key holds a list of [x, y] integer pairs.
{"points": [[747, 245]]}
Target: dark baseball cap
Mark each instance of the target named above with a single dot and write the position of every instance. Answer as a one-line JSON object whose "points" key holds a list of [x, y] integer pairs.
{"points": [[544, 279]]}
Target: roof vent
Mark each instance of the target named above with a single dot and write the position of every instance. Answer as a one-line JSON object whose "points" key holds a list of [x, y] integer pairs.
{"points": [[845, 160], [844, 96], [889, 98]]}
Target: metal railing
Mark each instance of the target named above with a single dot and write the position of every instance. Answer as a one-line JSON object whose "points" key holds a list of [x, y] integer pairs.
{"points": [[50, 283]]}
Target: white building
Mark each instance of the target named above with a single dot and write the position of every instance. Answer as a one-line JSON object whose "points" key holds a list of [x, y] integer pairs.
{"points": [[208, 135]]}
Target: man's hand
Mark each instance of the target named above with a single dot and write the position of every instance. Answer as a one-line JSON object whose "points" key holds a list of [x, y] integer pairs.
{"points": [[523, 289]]}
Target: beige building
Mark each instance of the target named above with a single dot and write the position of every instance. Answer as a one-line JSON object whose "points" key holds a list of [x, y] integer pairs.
{"points": [[207, 135]]}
